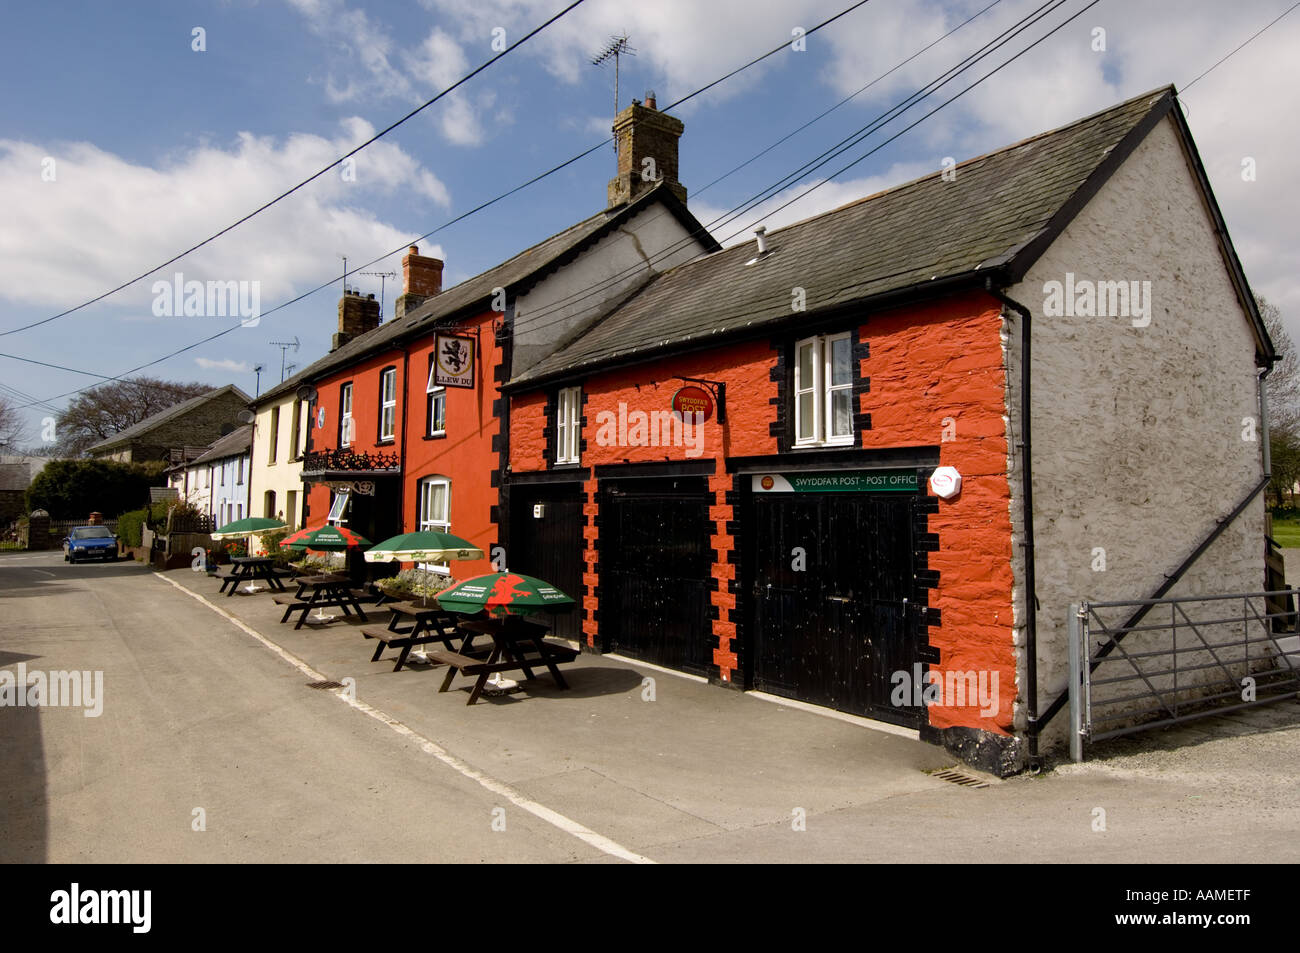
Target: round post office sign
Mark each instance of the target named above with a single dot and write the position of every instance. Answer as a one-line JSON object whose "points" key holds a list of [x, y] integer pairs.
{"points": [[693, 400]]}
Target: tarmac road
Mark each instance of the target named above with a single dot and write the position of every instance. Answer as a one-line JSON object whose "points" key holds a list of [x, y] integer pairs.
{"points": [[207, 714]]}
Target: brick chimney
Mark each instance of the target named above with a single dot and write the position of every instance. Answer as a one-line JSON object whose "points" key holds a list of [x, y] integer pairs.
{"points": [[357, 315], [421, 280], [647, 152]]}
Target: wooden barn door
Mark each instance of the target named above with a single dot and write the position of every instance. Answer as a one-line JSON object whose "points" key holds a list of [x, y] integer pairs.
{"points": [[655, 561], [550, 545], [831, 581]]}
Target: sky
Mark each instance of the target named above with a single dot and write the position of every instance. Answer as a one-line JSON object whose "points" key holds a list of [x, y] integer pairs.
{"points": [[132, 131]]}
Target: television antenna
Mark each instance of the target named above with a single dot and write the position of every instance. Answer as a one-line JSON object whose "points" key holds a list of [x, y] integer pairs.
{"points": [[284, 347], [383, 276], [616, 48]]}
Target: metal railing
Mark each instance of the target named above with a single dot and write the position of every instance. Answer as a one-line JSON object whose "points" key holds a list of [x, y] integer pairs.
{"points": [[1180, 669]]}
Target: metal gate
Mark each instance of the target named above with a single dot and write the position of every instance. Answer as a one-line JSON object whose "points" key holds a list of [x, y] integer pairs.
{"points": [[655, 566], [1177, 659]]}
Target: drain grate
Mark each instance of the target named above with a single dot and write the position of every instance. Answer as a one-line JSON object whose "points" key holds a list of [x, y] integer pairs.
{"points": [[956, 777], [324, 685]]}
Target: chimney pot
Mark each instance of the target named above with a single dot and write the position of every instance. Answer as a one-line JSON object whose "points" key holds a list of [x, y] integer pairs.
{"points": [[421, 280], [650, 99], [760, 233]]}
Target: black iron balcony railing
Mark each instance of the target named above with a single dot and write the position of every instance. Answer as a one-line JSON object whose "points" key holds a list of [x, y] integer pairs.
{"points": [[320, 461]]}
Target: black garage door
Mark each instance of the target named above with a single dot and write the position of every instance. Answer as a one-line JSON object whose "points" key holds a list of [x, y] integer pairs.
{"points": [[547, 543], [832, 583], [655, 565]]}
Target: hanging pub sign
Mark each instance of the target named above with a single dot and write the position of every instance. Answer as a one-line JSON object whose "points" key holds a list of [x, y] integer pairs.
{"points": [[842, 481], [691, 400], [453, 360]]}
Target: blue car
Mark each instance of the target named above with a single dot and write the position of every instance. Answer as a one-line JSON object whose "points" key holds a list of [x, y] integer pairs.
{"points": [[90, 542]]}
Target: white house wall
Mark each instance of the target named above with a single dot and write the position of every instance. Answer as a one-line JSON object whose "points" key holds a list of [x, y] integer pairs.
{"points": [[583, 289], [284, 476], [1137, 436]]}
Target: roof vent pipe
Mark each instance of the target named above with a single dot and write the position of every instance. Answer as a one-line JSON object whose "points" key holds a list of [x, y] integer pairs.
{"points": [[761, 234]]}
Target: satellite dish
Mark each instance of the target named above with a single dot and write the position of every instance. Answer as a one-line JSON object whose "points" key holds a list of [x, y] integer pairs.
{"points": [[247, 416], [306, 392]]}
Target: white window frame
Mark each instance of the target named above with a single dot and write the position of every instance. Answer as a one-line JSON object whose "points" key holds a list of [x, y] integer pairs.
{"points": [[338, 508], [820, 391], [568, 425], [346, 426], [439, 393], [388, 404], [440, 522]]}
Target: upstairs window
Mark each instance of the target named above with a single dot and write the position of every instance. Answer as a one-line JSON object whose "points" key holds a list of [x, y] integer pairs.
{"points": [[387, 403], [274, 445], [346, 427], [568, 425], [295, 433], [436, 423], [823, 391]]}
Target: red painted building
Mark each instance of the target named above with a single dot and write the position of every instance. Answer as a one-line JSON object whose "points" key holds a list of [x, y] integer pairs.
{"points": [[852, 522], [849, 527]]}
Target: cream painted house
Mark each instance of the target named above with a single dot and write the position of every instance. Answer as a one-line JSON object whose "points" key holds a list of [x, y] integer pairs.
{"points": [[279, 437]]}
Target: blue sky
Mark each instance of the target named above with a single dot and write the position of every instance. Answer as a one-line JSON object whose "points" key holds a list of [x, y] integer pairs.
{"points": [[156, 145]]}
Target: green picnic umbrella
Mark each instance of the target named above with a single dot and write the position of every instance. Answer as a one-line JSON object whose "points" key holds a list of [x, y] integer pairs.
{"points": [[502, 593], [325, 537], [423, 547], [251, 524]]}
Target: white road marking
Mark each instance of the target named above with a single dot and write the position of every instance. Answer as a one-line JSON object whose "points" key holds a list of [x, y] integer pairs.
{"points": [[43, 572], [500, 788]]}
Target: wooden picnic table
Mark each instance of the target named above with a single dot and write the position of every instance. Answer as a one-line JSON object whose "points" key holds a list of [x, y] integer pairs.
{"points": [[516, 640], [327, 589], [427, 624], [249, 569]]}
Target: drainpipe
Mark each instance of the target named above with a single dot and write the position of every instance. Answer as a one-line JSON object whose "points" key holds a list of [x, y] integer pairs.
{"points": [[1027, 491], [1263, 422]]}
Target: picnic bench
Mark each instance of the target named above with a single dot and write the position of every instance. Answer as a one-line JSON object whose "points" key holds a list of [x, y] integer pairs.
{"points": [[517, 646], [250, 569], [430, 624], [327, 590]]}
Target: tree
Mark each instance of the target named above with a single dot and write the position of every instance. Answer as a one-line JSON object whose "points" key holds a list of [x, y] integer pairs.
{"points": [[114, 406], [1283, 382], [13, 429], [73, 489]]}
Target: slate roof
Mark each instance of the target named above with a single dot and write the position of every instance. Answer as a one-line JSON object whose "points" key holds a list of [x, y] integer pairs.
{"points": [[164, 415], [233, 444], [997, 215], [474, 294], [15, 477]]}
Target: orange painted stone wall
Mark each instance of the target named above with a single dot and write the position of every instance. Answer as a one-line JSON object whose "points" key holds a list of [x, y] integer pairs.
{"points": [[936, 377]]}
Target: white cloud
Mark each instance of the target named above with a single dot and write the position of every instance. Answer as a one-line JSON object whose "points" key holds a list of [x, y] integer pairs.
{"points": [[104, 218], [235, 367]]}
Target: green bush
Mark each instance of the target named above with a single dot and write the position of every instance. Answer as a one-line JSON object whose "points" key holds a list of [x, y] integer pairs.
{"points": [[73, 489], [129, 527]]}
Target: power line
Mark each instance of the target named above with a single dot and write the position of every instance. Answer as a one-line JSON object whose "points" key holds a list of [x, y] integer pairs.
{"points": [[1237, 50], [262, 208], [581, 155], [857, 136]]}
